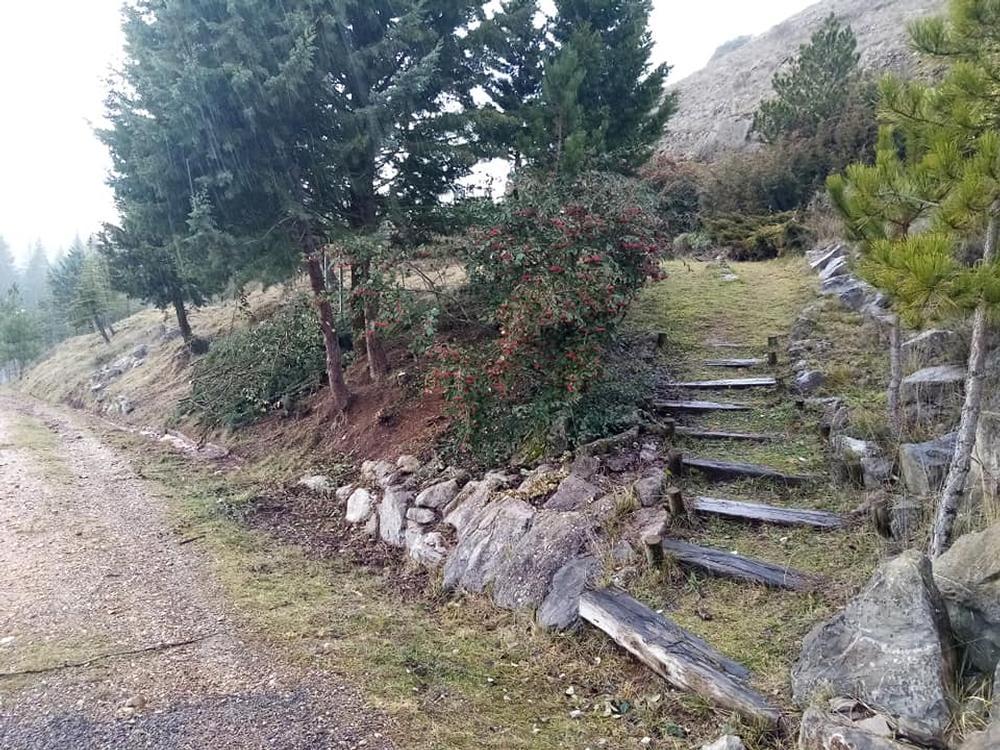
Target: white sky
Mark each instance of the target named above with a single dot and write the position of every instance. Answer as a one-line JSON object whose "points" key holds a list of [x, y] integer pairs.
{"points": [[55, 56]]}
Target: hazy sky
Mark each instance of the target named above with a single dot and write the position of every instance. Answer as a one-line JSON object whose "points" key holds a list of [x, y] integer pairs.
{"points": [[56, 54]]}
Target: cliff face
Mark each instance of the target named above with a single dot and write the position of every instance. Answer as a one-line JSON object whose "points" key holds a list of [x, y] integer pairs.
{"points": [[717, 102]]}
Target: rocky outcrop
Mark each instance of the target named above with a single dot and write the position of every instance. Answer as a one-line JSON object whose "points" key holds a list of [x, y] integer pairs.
{"points": [[561, 608], [968, 576], [986, 740], [716, 104], [486, 543], [933, 396], [934, 348], [828, 731], [890, 648]]}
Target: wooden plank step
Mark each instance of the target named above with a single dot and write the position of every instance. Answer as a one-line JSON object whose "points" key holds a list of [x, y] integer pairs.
{"points": [[737, 470], [691, 432], [733, 383], [679, 657], [744, 511], [698, 406], [728, 565], [735, 363]]}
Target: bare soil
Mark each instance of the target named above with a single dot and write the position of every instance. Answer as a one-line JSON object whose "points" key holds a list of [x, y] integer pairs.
{"points": [[90, 569]]}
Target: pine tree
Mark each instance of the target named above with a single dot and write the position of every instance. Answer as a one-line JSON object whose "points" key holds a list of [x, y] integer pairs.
{"points": [[20, 333], [620, 101], [80, 285], [284, 124], [9, 276], [34, 281], [814, 88], [950, 175]]}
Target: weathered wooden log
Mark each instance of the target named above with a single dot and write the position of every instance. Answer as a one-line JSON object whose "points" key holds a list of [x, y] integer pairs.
{"points": [[736, 470], [675, 502], [728, 565], [729, 384], [608, 444], [735, 363], [653, 544], [675, 462], [696, 434], [698, 406], [679, 657], [744, 511]]}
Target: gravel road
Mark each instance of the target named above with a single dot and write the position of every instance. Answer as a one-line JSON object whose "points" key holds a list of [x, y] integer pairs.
{"points": [[89, 566]]}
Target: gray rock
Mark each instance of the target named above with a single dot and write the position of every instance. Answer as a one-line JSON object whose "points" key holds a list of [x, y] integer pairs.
{"points": [[317, 483], [439, 495], [986, 740], [422, 516], [820, 257], [995, 707], [360, 506], [809, 382], [932, 349], [371, 526], [380, 472], [344, 492], [906, 518], [408, 464], [924, 466], [487, 540], [726, 742], [585, 466], [889, 648], [523, 578], [561, 608], [968, 576], [426, 548], [876, 469], [469, 502], [837, 267], [649, 489], [850, 292], [574, 493], [848, 455], [392, 515], [823, 731], [934, 395]]}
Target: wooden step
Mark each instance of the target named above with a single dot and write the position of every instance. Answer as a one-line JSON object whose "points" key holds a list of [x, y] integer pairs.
{"points": [[679, 657], [737, 470], [691, 432], [735, 363], [698, 406], [744, 511], [728, 565], [730, 384]]}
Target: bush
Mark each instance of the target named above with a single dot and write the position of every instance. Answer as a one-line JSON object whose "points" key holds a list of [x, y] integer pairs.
{"points": [[759, 237], [249, 373], [554, 277], [678, 185]]}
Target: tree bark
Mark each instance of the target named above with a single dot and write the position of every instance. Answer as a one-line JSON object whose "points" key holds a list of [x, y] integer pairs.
{"points": [[96, 320], [334, 360], [180, 313], [895, 376], [975, 383], [378, 362]]}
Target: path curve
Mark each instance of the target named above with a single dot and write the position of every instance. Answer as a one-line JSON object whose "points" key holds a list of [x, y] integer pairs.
{"points": [[89, 565]]}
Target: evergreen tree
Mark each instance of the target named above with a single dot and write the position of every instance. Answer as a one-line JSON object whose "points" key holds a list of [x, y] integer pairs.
{"points": [[290, 122], [20, 333], [816, 86], [34, 281], [622, 104], [949, 174], [81, 290], [9, 276]]}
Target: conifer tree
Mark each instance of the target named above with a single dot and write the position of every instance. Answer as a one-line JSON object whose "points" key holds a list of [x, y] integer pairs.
{"points": [[950, 173], [621, 105], [9, 276], [34, 281], [814, 88]]}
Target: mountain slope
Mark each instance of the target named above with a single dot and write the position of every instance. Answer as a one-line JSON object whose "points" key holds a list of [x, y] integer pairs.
{"points": [[717, 102]]}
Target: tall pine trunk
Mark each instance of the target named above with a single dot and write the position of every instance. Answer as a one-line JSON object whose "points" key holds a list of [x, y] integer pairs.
{"points": [[378, 362], [180, 312], [895, 376], [975, 383], [334, 358], [96, 320]]}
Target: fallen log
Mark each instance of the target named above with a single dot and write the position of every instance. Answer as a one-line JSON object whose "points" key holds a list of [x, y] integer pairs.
{"points": [[744, 511], [737, 470], [728, 384], [679, 657], [691, 432], [728, 565], [735, 363], [698, 406]]}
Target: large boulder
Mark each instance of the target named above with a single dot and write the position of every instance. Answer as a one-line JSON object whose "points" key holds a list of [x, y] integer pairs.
{"points": [[574, 493], [890, 648], [439, 495], [827, 731], [934, 348], [987, 740], [471, 500], [523, 578], [486, 542], [968, 576], [561, 608], [924, 466], [392, 515], [933, 395], [360, 506]]}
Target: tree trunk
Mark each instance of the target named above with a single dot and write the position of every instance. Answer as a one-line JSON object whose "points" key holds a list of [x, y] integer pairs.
{"points": [[975, 383], [895, 376], [96, 320], [334, 363], [378, 362], [182, 317]]}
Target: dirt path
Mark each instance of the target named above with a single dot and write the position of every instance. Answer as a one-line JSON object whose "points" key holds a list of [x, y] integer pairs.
{"points": [[89, 566]]}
